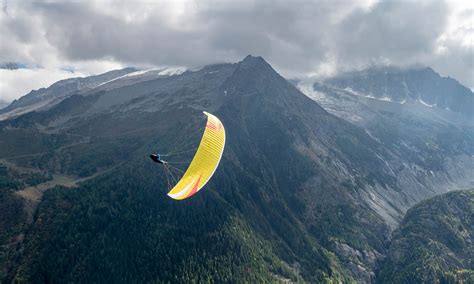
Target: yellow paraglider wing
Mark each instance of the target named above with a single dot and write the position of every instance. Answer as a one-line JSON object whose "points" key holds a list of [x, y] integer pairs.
{"points": [[205, 161]]}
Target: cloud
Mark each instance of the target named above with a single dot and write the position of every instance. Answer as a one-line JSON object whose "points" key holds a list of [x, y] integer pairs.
{"points": [[299, 38], [393, 32], [15, 83], [22, 81]]}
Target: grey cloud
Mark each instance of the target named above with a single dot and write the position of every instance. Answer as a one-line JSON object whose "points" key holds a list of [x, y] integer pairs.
{"points": [[457, 62], [84, 34], [395, 31], [297, 37]]}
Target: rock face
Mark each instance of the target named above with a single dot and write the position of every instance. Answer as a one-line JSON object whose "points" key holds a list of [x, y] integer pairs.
{"points": [[434, 243], [426, 146], [301, 193], [422, 85]]}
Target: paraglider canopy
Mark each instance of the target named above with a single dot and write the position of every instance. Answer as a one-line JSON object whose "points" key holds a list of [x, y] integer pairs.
{"points": [[204, 163]]}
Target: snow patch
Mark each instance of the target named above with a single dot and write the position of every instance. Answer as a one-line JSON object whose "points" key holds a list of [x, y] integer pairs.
{"points": [[386, 99], [124, 76], [370, 96], [328, 102], [425, 103], [307, 89], [350, 90], [172, 71]]}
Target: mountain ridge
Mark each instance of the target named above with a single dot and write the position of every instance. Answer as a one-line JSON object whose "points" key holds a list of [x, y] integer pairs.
{"points": [[294, 178], [434, 243], [47, 97], [421, 85]]}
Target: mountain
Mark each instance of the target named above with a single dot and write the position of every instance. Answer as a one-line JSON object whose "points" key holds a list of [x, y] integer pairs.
{"points": [[301, 194], [430, 150], [434, 243], [47, 97], [421, 85]]}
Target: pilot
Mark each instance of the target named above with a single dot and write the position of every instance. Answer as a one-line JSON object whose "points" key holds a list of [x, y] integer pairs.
{"points": [[157, 158]]}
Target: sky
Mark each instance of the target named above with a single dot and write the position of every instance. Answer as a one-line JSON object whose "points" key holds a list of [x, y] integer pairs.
{"points": [[53, 40]]}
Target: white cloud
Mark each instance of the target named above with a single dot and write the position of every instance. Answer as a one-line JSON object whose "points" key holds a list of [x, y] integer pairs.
{"points": [[19, 82], [22, 81]]}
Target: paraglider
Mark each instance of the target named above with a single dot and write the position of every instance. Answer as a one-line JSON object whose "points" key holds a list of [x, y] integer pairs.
{"points": [[203, 164], [157, 158]]}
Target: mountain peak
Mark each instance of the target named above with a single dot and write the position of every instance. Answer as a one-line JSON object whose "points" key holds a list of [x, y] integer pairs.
{"points": [[253, 61], [250, 57], [253, 69], [255, 72]]}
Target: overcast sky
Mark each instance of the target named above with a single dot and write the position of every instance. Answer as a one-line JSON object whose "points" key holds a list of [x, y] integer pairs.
{"points": [[53, 40]]}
